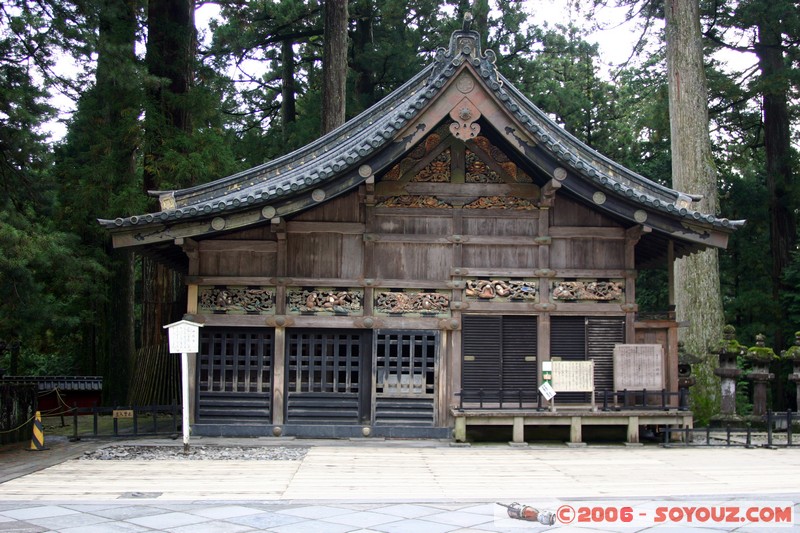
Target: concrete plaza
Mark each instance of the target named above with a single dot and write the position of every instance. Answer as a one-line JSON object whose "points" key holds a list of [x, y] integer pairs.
{"points": [[383, 486]]}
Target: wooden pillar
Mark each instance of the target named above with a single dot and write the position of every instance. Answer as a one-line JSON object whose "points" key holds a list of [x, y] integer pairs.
{"points": [[632, 237], [671, 273], [190, 248], [544, 239], [444, 379], [278, 375]]}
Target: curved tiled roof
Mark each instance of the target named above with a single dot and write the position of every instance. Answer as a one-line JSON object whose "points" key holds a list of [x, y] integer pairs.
{"points": [[354, 143]]}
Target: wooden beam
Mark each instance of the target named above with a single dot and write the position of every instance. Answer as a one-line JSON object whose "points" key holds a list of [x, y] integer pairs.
{"points": [[345, 228], [231, 245], [568, 232]]}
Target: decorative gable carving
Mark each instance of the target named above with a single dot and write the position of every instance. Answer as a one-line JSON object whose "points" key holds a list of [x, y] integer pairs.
{"points": [[466, 116]]}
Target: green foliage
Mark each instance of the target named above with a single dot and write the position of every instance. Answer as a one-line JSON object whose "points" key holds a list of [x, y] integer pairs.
{"points": [[790, 299], [652, 290], [35, 363], [45, 283]]}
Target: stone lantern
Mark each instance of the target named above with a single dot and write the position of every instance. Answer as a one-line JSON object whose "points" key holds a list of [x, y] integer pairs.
{"points": [[728, 349], [685, 377], [793, 355], [759, 357]]}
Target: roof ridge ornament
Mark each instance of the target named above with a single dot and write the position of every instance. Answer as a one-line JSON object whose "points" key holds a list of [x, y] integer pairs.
{"points": [[465, 45]]}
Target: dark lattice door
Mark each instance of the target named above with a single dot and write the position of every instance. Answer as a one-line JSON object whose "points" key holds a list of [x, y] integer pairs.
{"points": [[234, 375], [405, 377], [327, 377]]}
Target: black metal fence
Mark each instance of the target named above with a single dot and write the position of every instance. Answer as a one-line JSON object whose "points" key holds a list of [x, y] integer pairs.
{"points": [[657, 400], [769, 432], [125, 421]]}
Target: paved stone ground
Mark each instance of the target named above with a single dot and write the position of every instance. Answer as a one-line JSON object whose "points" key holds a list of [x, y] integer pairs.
{"points": [[380, 486]]}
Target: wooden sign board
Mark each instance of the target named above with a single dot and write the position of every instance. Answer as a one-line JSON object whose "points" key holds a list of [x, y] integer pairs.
{"points": [[184, 337], [573, 376], [122, 413], [638, 367]]}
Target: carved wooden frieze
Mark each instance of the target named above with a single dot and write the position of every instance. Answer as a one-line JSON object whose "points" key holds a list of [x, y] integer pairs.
{"points": [[428, 145], [437, 171], [325, 301], [501, 202], [478, 171], [409, 303], [600, 291], [236, 300], [415, 201], [502, 290], [490, 152]]}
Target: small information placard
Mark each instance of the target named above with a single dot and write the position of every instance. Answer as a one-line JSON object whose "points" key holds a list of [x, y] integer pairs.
{"points": [[547, 391], [122, 413]]}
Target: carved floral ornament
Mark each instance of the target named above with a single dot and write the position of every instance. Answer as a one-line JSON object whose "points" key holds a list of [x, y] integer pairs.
{"points": [[406, 303], [236, 300], [604, 291], [438, 170], [502, 289], [325, 301]]}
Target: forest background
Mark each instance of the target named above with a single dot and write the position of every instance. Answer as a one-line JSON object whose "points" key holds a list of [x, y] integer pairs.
{"points": [[158, 106]]}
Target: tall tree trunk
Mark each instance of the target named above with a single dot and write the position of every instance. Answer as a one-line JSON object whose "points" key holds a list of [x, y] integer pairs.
{"points": [[777, 140], [122, 338], [363, 43], [698, 297], [119, 105], [170, 56], [288, 89], [334, 65]]}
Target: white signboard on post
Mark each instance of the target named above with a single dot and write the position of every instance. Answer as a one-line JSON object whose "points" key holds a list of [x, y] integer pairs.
{"points": [[184, 338]]}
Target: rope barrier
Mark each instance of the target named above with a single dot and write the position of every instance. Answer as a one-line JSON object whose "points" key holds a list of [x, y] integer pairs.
{"points": [[20, 426]]}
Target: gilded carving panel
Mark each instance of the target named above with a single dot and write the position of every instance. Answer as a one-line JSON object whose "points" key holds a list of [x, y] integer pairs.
{"points": [[410, 303], [589, 290], [325, 301], [236, 300], [502, 290]]}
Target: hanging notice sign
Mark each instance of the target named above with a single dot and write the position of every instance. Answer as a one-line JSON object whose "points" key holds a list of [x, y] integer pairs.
{"points": [[546, 388], [547, 391]]}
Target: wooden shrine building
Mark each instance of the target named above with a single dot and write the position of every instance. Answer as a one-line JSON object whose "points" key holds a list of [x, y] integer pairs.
{"points": [[413, 271]]}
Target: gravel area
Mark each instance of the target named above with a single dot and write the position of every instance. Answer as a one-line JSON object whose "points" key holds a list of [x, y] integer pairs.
{"points": [[197, 453]]}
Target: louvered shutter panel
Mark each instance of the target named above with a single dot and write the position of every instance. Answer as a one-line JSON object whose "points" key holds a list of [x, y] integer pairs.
{"points": [[481, 350], [568, 338], [568, 341], [519, 343], [603, 334]]}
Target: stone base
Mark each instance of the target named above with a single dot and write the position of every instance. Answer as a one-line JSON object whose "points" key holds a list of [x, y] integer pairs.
{"points": [[734, 421]]}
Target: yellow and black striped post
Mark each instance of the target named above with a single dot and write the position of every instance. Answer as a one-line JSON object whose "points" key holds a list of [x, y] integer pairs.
{"points": [[37, 440]]}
